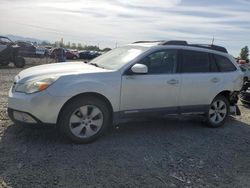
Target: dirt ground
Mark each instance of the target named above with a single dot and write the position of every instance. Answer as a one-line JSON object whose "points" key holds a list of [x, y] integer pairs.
{"points": [[157, 153]]}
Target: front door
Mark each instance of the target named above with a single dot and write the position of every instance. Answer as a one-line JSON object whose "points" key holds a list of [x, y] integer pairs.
{"points": [[156, 91]]}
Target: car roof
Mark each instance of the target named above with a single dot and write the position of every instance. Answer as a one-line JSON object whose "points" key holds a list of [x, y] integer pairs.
{"points": [[182, 45]]}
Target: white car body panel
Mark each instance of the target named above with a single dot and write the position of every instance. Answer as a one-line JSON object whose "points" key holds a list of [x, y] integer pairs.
{"points": [[70, 68], [149, 91]]}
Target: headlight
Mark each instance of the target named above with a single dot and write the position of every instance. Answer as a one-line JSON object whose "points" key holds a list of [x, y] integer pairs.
{"points": [[36, 85]]}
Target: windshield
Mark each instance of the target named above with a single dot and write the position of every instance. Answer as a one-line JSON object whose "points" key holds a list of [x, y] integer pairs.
{"points": [[118, 57]]}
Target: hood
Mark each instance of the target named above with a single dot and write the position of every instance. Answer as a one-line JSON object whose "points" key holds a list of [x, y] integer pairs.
{"points": [[58, 69]]}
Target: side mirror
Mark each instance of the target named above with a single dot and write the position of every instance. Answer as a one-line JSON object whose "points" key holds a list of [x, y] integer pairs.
{"points": [[139, 69]]}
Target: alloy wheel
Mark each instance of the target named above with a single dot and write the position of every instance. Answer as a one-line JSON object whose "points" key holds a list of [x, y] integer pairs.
{"points": [[217, 111], [86, 121]]}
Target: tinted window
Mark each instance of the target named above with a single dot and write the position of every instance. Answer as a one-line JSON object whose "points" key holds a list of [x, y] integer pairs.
{"points": [[194, 61], [161, 62], [225, 65], [213, 64]]}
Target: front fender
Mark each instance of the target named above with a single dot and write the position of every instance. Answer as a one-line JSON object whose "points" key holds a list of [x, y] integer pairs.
{"points": [[109, 89]]}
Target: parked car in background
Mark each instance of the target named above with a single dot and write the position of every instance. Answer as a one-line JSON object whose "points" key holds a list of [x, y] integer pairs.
{"points": [[88, 55], [70, 54], [246, 70], [136, 80], [28, 49], [242, 62], [9, 52], [245, 93]]}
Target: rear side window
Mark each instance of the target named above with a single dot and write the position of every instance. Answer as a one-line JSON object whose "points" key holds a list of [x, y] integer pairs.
{"points": [[195, 62], [213, 64], [224, 64]]}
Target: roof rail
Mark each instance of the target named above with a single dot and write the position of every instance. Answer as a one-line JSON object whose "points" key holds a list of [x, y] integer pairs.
{"points": [[211, 47], [174, 42], [148, 41], [184, 43]]}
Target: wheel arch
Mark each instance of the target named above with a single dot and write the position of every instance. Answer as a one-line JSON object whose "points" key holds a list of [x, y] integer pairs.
{"points": [[88, 94], [225, 93]]}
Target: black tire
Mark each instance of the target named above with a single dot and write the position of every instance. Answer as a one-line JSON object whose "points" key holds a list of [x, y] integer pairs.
{"points": [[19, 62], [211, 123], [72, 106]]}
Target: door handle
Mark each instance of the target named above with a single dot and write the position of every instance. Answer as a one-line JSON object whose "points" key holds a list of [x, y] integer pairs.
{"points": [[215, 80], [173, 82]]}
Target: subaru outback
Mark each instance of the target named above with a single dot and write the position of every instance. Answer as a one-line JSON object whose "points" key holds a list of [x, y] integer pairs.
{"points": [[146, 78]]}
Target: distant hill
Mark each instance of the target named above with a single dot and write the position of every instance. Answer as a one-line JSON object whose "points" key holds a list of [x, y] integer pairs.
{"points": [[15, 38]]}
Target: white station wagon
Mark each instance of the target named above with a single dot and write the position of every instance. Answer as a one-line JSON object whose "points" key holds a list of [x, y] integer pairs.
{"points": [[140, 79]]}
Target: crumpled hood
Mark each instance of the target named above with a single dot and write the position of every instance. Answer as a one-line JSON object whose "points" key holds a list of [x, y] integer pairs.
{"points": [[58, 69]]}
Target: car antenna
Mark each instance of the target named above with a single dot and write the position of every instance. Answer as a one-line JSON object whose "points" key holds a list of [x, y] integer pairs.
{"points": [[213, 41]]}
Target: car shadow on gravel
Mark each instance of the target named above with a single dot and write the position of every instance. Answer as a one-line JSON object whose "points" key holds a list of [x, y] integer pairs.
{"points": [[7, 67], [159, 153]]}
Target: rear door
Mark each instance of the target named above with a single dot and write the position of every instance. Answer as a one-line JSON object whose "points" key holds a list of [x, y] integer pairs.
{"points": [[200, 79]]}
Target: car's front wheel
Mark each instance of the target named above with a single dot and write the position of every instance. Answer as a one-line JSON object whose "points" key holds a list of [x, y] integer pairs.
{"points": [[84, 119], [218, 112]]}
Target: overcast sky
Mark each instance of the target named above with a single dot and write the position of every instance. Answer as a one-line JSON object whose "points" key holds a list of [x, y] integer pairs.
{"points": [[106, 22]]}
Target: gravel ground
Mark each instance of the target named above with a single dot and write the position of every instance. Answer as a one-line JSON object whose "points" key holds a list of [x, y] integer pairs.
{"points": [[161, 153]]}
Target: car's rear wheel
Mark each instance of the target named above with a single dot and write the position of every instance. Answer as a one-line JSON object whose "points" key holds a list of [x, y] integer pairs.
{"points": [[84, 119], [19, 62], [218, 112]]}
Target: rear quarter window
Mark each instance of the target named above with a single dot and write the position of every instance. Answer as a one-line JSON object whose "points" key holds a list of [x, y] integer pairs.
{"points": [[224, 64], [195, 62]]}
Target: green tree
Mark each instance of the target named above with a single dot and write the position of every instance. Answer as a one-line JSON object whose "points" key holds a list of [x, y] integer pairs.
{"points": [[92, 48], [67, 45], [44, 43], [244, 54], [73, 45]]}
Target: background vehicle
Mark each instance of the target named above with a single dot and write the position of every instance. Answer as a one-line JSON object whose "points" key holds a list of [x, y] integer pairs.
{"points": [[245, 93], [137, 80], [9, 52], [28, 49], [245, 69], [71, 54], [88, 55]]}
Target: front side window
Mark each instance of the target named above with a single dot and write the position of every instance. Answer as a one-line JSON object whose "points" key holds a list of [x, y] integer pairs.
{"points": [[195, 62], [161, 62], [224, 64]]}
